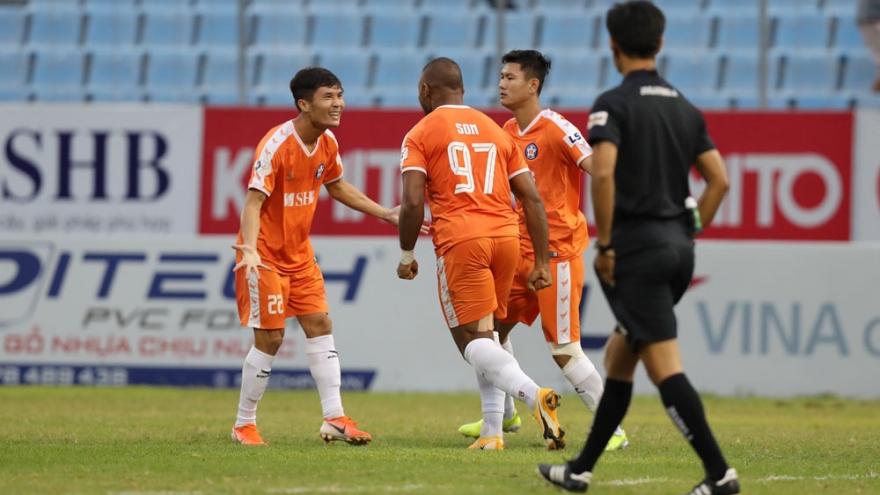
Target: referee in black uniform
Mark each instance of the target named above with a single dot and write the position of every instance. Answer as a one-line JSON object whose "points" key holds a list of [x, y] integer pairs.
{"points": [[645, 137]]}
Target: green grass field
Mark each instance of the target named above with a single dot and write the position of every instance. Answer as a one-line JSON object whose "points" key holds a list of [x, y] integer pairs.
{"points": [[167, 441]]}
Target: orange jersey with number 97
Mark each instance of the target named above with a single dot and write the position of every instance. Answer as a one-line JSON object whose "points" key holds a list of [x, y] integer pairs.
{"points": [[469, 161]]}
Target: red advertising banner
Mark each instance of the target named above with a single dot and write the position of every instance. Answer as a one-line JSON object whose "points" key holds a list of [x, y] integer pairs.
{"points": [[790, 173]]}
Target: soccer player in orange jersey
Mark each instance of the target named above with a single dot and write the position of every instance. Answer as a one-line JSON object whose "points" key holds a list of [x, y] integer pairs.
{"points": [[276, 275], [468, 167], [557, 154]]}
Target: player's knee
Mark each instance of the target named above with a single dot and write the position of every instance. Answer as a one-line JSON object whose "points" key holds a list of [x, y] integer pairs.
{"points": [[570, 357]]}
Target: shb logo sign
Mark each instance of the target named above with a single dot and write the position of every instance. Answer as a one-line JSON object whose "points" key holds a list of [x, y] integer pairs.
{"points": [[21, 279]]}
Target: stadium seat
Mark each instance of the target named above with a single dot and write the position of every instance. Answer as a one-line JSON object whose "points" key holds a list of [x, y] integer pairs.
{"points": [[847, 37], [859, 72], [114, 74], [398, 72], [219, 79], [274, 70], [563, 31], [171, 75], [687, 33], [473, 66], [12, 23], [376, 6], [338, 29], [217, 28], [390, 30], [452, 31], [680, 6], [111, 28], [810, 73], [352, 67], [279, 29], [15, 63], [168, 27], [519, 31], [575, 72], [694, 74], [740, 32], [58, 74], [824, 102], [59, 26], [573, 100], [802, 31], [740, 75], [709, 101]]}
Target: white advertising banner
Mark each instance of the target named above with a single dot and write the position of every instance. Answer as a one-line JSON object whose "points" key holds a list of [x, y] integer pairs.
{"points": [[764, 319], [99, 169], [866, 176]]}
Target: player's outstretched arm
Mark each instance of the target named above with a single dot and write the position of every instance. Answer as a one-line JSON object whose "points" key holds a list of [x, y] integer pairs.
{"points": [[711, 166], [353, 198], [250, 230]]}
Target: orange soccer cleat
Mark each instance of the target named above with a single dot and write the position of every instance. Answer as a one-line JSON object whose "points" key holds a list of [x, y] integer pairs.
{"points": [[247, 435], [345, 429]]}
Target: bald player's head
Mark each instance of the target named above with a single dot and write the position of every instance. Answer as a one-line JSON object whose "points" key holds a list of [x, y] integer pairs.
{"points": [[440, 84]]}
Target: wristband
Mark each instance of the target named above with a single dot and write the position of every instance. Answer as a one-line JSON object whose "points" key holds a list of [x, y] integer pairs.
{"points": [[603, 249], [407, 257]]}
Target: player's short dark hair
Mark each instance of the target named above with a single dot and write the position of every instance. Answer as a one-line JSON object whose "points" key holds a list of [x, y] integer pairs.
{"points": [[533, 63], [636, 27], [308, 80]]}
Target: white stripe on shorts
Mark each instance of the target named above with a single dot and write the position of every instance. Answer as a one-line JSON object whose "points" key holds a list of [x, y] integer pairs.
{"points": [[563, 303], [451, 317], [254, 295]]}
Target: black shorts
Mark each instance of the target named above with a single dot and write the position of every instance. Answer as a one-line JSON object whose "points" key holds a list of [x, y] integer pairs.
{"points": [[652, 272]]}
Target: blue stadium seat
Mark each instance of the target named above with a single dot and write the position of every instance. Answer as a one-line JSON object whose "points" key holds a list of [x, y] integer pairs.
{"points": [[280, 5], [473, 66], [275, 69], [338, 29], [169, 27], [457, 8], [171, 75], [859, 72], [709, 101], [376, 6], [694, 74], [117, 28], [740, 32], [803, 31], [572, 71], [58, 74], [12, 22], [14, 63], [563, 31], [398, 99], [219, 79], [217, 27], [452, 31], [810, 73], [823, 102], [114, 74], [57, 26], [687, 33], [320, 6], [847, 37], [741, 75], [519, 31], [398, 72], [680, 6], [352, 67], [395, 30], [356, 96], [279, 28]]}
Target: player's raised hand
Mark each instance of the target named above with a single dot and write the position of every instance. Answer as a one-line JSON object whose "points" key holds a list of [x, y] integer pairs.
{"points": [[250, 260], [408, 272], [539, 278]]}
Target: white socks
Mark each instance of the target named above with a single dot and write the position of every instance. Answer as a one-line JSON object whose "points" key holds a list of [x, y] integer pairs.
{"points": [[589, 388], [254, 379], [324, 365], [500, 368], [509, 408]]}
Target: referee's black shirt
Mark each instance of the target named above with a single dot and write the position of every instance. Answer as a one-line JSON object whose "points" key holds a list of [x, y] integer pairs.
{"points": [[659, 135]]}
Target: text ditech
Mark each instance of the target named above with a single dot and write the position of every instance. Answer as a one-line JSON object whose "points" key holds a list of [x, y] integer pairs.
{"points": [[168, 275]]}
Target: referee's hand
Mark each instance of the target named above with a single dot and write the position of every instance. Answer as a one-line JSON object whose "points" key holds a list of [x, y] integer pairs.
{"points": [[605, 266]]}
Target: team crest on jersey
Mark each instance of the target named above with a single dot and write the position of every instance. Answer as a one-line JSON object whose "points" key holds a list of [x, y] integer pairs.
{"points": [[289, 175], [532, 151], [320, 171], [262, 169]]}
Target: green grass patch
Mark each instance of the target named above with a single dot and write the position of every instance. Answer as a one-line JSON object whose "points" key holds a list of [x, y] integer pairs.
{"points": [[171, 441]]}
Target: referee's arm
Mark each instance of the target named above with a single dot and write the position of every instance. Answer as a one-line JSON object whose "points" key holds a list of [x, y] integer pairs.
{"points": [[602, 188], [710, 165]]}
